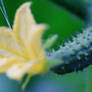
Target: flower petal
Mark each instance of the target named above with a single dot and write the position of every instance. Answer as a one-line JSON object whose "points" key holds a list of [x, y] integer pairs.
{"points": [[34, 41], [18, 70], [37, 68], [7, 42], [23, 21], [6, 63], [6, 53]]}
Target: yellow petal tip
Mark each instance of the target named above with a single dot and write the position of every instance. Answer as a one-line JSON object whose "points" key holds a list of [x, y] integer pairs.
{"points": [[25, 5]]}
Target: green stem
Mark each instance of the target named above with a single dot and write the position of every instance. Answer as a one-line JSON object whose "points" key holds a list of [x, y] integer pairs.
{"points": [[26, 81]]}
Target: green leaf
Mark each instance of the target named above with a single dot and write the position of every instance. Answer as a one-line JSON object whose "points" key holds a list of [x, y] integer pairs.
{"points": [[77, 7], [89, 80], [74, 82], [7, 85]]}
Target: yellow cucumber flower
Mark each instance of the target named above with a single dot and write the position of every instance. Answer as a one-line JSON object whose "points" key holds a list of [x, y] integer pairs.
{"points": [[21, 50]]}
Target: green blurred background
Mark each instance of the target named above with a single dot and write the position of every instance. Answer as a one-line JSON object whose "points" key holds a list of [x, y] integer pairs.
{"points": [[65, 18]]}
